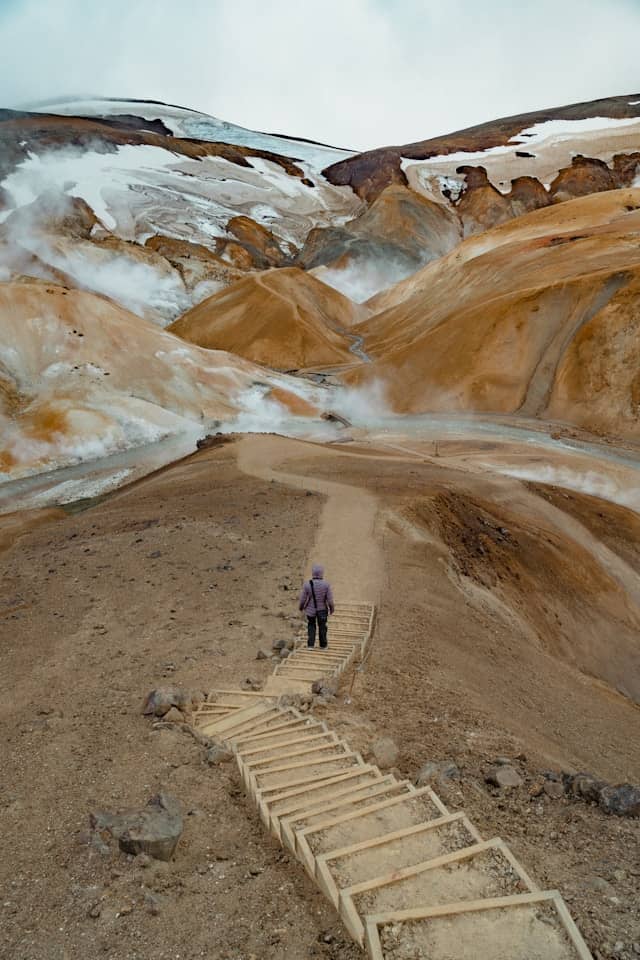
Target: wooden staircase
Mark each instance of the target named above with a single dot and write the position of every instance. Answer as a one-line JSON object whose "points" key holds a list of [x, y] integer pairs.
{"points": [[409, 878]]}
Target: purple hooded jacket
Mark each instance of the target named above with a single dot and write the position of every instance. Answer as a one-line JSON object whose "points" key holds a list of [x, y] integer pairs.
{"points": [[322, 590]]}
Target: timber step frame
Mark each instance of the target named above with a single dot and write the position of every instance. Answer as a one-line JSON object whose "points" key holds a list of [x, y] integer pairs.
{"points": [[309, 788]]}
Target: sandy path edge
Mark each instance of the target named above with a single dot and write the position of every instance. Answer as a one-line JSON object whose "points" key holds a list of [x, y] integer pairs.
{"points": [[346, 541]]}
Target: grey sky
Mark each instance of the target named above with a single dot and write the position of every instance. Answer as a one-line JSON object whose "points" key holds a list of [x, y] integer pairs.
{"points": [[359, 73]]}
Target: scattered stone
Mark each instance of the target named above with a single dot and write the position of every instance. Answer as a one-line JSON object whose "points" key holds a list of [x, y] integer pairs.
{"points": [[324, 688], [159, 701], [143, 860], [584, 786], [622, 800], [250, 683], [504, 776], [537, 788], [153, 903], [173, 715], [385, 752], [554, 789], [261, 655], [94, 910], [436, 770], [284, 653], [600, 885], [218, 754], [154, 830], [278, 644], [291, 644]]}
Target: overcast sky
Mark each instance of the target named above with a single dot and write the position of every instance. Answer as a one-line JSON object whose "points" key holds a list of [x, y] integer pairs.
{"points": [[355, 73]]}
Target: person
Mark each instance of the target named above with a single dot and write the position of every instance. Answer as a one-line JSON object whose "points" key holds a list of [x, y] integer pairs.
{"points": [[316, 599]]}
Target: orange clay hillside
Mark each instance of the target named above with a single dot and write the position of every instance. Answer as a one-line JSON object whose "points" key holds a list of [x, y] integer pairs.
{"points": [[539, 317], [81, 377], [284, 319]]}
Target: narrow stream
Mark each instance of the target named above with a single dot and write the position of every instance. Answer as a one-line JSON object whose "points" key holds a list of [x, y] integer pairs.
{"points": [[356, 347]]}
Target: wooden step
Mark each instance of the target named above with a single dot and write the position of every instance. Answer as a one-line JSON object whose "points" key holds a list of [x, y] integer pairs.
{"points": [[279, 686], [277, 803], [357, 799], [219, 726], [278, 733], [401, 848], [356, 826], [252, 774], [287, 743], [236, 724], [271, 800], [483, 871], [290, 774], [535, 926]]}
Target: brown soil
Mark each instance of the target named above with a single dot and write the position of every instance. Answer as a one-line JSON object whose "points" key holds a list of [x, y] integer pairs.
{"points": [[181, 578]]}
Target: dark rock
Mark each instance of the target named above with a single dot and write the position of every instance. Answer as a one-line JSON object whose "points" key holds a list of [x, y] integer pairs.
{"points": [[278, 644], [154, 830], [584, 786], [284, 653], [261, 655], [554, 789], [504, 776], [622, 800]]}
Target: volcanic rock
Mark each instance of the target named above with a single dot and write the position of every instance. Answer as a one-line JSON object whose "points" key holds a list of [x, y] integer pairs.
{"points": [[504, 776], [154, 830], [622, 800]]}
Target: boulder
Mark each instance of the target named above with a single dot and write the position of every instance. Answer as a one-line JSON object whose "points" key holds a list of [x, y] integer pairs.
{"points": [[279, 644], [284, 653], [504, 776], [154, 830], [622, 800], [385, 752], [261, 655]]}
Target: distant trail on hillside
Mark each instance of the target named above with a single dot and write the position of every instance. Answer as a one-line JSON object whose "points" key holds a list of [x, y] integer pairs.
{"points": [[345, 542]]}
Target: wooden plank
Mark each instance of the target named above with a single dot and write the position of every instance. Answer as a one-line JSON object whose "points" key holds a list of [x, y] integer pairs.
{"points": [[251, 774], [289, 742], [294, 727], [318, 742], [241, 721], [366, 795], [348, 896], [306, 851], [239, 716], [265, 778], [276, 802], [325, 878], [303, 779], [552, 897]]}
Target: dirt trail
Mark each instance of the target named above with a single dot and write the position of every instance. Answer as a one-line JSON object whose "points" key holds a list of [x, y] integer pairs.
{"points": [[345, 540]]}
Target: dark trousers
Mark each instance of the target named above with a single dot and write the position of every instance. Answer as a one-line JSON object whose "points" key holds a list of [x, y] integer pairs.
{"points": [[321, 618]]}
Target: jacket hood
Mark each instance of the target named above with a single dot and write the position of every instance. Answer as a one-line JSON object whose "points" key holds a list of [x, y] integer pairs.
{"points": [[317, 571]]}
